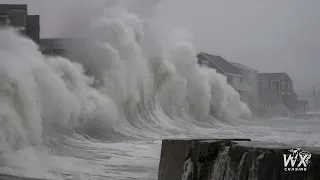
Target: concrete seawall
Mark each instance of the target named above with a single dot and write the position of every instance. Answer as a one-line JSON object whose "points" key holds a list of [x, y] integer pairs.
{"points": [[230, 159]]}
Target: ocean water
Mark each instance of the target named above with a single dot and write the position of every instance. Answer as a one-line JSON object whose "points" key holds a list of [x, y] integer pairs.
{"points": [[102, 113]]}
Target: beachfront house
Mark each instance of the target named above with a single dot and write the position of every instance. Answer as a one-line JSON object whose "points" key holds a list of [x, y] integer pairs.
{"points": [[55, 46], [233, 74], [16, 15], [250, 93], [276, 94]]}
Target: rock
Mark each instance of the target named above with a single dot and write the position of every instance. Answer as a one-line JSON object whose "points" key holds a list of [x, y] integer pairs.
{"points": [[230, 159]]}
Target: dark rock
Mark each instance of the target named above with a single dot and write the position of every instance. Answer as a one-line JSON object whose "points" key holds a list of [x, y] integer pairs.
{"points": [[230, 159]]}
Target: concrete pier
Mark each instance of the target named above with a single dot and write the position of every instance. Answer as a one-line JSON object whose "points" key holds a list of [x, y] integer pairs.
{"points": [[231, 159]]}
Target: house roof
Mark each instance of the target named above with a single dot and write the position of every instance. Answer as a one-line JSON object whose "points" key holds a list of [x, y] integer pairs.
{"points": [[222, 64], [241, 66], [7, 8], [271, 76], [14, 6]]}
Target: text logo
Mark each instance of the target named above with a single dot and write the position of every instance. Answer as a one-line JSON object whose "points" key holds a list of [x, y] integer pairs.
{"points": [[296, 160]]}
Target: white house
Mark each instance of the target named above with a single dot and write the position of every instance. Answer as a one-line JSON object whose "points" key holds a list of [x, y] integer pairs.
{"points": [[250, 93], [233, 74]]}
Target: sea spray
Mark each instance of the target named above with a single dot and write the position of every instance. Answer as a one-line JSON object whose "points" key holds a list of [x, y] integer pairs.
{"points": [[59, 96], [38, 92], [119, 82], [187, 170]]}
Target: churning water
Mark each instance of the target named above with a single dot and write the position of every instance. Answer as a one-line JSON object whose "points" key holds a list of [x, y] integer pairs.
{"points": [[103, 114]]}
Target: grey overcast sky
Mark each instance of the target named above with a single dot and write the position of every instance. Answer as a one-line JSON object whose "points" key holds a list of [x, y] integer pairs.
{"points": [[269, 35]]}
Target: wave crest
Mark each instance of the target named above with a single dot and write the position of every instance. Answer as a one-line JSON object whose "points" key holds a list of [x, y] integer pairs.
{"points": [[118, 81]]}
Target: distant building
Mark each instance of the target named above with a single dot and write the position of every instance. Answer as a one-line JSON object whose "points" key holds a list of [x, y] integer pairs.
{"points": [[33, 28], [16, 15], [250, 95], [55, 46], [276, 94], [233, 74]]}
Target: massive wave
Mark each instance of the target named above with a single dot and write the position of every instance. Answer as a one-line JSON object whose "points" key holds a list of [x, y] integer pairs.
{"points": [[120, 83], [136, 91]]}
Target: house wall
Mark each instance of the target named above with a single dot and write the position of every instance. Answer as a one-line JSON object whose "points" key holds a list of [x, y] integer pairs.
{"points": [[242, 88], [270, 99], [33, 28], [55, 47], [286, 86], [273, 85], [271, 96], [250, 86], [4, 19], [286, 93], [275, 94], [14, 15], [17, 16], [236, 82]]}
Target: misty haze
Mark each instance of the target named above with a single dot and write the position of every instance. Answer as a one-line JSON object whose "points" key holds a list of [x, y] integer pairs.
{"points": [[90, 90]]}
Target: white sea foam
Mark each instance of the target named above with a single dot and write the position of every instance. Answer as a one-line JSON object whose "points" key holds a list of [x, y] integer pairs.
{"points": [[102, 114]]}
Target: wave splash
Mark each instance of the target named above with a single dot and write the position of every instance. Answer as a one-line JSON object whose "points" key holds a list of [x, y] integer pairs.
{"points": [[120, 83]]}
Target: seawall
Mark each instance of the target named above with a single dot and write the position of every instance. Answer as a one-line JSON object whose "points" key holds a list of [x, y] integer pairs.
{"points": [[231, 159]]}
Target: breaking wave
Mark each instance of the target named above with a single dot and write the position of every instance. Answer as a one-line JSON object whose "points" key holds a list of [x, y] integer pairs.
{"points": [[124, 91], [120, 83]]}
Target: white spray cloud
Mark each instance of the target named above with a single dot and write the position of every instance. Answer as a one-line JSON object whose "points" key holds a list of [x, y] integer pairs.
{"points": [[41, 95]]}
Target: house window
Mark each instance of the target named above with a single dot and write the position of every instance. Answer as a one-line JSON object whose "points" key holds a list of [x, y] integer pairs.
{"points": [[273, 85], [240, 79]]}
